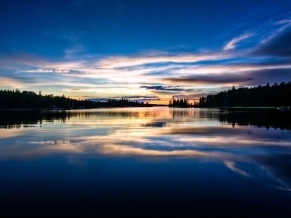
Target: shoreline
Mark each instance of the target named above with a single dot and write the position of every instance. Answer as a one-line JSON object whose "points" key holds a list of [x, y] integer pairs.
{"points": [[73, 109]]}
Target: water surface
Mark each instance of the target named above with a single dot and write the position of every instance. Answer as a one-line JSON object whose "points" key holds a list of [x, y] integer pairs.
{"points": [[145, 161]]}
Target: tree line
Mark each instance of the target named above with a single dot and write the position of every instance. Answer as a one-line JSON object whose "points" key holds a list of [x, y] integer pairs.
{"points": [[260, 96], [123, 103], [15, 99], [181, 102]]}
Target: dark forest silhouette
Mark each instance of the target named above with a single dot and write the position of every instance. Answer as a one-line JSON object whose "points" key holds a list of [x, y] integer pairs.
{"points": [[183, 102], [123, 103], [268, 96], [14, 99], [260, 96]]}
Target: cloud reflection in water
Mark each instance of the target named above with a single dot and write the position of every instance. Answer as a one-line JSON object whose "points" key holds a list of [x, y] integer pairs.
{"points": [[153, 133]]}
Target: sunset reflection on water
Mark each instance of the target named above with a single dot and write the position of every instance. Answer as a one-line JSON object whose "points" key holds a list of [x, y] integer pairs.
{"points": [[177, 143]]}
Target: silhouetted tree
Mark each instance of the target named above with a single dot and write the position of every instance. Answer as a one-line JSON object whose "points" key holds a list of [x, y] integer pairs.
{"points": [[276, 95], [179, 103]]}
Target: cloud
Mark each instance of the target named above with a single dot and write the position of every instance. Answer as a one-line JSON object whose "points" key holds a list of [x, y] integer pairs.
{"points": [[17, 60], [23, 62], [277, 45], [208, 79], [233, 43], [45, 71], [74, 52], [167, 88], [10, 82], [286, 21], [236, 73], [89, 75], [123, 61], [138, 98], [264, 76], [142, 98]]}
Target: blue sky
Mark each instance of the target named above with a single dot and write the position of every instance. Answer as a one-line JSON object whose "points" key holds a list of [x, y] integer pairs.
{"points": [[147, 50]]}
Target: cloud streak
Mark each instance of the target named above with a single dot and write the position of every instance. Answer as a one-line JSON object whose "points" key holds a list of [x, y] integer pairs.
{"points": [[277, 45], [209, 79], [123, 61], [167, 88], [234, 42]]}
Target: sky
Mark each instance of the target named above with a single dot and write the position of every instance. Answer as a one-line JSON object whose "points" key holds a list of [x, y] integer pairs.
{"points": [[145, 50]]}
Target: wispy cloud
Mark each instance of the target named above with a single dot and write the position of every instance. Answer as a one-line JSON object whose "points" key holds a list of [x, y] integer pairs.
{"points": [[276, 45], [234, 42], [123, 61], [45, 71], [167, 88], [142, 97], [10, 82], [209, 79], [138, 98]]}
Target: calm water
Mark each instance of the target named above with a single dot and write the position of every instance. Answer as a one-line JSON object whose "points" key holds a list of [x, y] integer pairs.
{"points": [[146, 161]]}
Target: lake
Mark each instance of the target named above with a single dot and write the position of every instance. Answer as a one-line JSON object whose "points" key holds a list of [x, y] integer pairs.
{"points": [[146, 162]]}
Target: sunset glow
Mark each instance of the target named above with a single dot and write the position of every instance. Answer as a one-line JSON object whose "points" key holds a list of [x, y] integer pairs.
{"points": [[109, 58]]}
